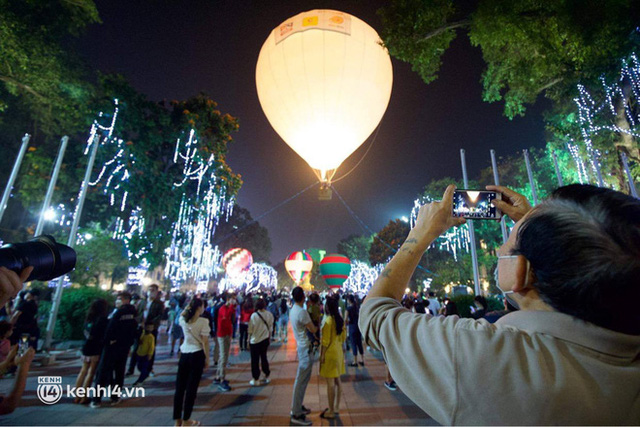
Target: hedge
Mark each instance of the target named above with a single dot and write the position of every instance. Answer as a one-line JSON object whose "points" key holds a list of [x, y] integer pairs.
{"points": [[73, 311]]}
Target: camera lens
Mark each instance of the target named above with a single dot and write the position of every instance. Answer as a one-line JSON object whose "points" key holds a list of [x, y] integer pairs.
{"points": [[48, 258]]}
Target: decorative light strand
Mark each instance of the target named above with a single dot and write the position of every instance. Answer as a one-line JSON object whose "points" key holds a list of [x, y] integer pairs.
{"points": [[454, 241], [191, 254], [362, 277], [259, 278], [596, 117]]}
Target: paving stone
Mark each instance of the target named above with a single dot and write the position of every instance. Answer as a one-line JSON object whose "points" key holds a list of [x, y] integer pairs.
{"points": [[365, 400]]}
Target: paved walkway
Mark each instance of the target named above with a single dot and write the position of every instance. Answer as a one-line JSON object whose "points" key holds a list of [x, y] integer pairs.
{"points": [[365, 399]]}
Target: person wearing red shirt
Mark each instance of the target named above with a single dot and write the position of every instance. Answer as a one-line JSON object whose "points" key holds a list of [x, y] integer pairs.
{"points": [[245, 316], [225, 320]]}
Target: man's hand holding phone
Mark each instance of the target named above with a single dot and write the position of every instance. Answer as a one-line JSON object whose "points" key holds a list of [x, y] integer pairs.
{"points": [[513, 204], [437, 217]]}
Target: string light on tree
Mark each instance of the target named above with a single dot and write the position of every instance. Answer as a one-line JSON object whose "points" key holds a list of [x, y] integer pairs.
{"points": [[260, 277], [191, 253], [455, 240], [362, 277], [137, 273], [595, 117]]}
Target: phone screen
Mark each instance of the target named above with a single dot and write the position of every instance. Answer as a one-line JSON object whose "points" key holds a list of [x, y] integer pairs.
{"points": [[476, 204]]}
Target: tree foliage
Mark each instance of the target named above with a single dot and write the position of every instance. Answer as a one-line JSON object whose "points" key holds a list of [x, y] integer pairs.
{"points": [[41, 82], [529, 47], [388, 241], [240, 231], [99, 256], [356, 247], [151, 130]]}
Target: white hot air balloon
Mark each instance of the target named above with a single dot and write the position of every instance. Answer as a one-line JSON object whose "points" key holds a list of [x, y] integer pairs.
{"points": [[324, 82]]}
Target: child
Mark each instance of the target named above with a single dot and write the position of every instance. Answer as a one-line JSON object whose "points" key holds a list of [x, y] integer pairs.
{"points": [[6, 329], [146, 347]]}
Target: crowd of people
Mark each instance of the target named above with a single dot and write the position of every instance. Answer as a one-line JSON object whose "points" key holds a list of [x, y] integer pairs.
{"points": [[565, 350], [200, 328]]}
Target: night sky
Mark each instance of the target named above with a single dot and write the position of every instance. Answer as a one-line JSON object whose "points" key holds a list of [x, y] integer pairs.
{"points": [[176, 49]]}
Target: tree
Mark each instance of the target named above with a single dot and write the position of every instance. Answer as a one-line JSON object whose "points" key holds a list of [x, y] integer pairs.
{"points": [[241, 231], [98, 255], [530, 47], [388, 241], [447, 269], [41, 82], [149, 131], [356, 247]]}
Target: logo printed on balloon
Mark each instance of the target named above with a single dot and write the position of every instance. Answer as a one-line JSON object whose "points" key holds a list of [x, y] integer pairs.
{"points": [[311, 20], [335, 269], [286, 28]]}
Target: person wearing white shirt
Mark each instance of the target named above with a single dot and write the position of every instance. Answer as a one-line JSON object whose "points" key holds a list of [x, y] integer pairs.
{"points": [[194, 358], [260, 326], [434, 304]]}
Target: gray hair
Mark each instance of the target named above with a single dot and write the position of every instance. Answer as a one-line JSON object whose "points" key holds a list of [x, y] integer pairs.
{"points": [[586, 257]]}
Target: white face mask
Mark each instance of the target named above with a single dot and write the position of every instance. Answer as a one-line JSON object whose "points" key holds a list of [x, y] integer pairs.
{"points": [[507, 294], [118, 302]]}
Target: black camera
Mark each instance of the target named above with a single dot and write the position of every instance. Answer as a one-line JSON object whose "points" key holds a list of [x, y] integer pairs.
{"points": [[48, 258]]}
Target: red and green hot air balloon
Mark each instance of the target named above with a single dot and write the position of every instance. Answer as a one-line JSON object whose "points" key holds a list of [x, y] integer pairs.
{"points": [[335, 269], [236, 261], [298, 265]]}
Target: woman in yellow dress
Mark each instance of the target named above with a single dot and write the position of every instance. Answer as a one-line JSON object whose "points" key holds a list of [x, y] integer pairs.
{"points": [[332, 356]]}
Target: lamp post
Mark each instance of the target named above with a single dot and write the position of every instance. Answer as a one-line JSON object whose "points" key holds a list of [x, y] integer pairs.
{"points": [[472, 235], [14, 174], [496, 180], [530, 175], [52, 185], [55, 305]]}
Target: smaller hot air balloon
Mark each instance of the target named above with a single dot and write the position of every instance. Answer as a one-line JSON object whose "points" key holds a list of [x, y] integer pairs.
{"points": [[335, 269], [237, 261], [298, 265]]}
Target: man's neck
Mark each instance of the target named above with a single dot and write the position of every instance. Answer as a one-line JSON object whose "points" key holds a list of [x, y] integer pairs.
{"points": [[531, 301], [300, 304]]}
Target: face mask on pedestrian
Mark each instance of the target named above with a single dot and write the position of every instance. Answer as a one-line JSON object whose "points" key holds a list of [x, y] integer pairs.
{"points": [[508, 294], [118, 303]]}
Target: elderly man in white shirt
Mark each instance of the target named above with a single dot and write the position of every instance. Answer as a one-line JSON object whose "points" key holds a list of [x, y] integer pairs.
{"points": [[558, 360], [260, 327]]}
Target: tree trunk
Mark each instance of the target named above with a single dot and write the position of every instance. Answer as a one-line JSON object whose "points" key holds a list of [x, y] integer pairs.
{"points": [[620, 174], [625, 142]]}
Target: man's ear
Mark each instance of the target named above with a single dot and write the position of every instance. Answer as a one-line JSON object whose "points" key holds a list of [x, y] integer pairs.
{"points": [[521, 273]]}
